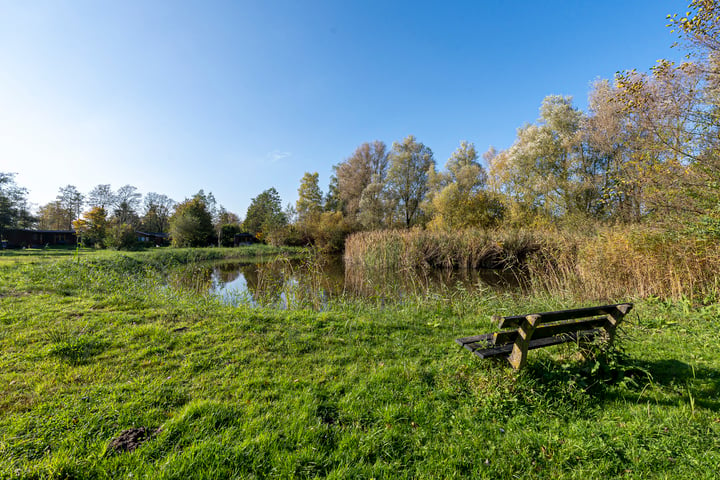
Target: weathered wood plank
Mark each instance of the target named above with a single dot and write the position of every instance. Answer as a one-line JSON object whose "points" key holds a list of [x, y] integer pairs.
{"points": [[474, 338], [544, 331], [515, 321], [518, 356], [497, 350]]}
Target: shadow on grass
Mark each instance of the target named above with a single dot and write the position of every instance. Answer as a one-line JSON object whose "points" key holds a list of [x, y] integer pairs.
{"points": [[621, 377], [681, 380], [78, 350]]}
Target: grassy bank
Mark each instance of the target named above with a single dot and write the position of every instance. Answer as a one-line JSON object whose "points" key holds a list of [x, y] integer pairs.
{"points": [[155, 257], [90, 349]]}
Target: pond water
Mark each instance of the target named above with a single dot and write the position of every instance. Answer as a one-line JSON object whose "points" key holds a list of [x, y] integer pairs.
{"points": [[290, 282]]}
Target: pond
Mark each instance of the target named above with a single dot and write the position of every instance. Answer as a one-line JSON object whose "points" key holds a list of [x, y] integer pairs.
{"points": [[285, 282]]}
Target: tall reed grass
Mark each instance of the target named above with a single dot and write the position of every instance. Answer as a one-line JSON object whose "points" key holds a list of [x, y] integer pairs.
{"points": [[636, 262], [605, 263]]}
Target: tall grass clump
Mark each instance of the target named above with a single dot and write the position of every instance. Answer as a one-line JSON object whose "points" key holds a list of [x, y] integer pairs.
{"points": [[622, 262], [410, 249], [373, 260], [595, 263]]}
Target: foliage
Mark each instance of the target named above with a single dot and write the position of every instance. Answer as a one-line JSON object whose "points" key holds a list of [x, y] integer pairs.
{"points": [[121, 236], [71, 200], [14, 211], [92, 228], [407, 178], [226, 238], [264, 215], [102, 196], [457, 199], [191, 224], [53, 216], [368, 165], [128, 198], [309, 204], [157, 211]]}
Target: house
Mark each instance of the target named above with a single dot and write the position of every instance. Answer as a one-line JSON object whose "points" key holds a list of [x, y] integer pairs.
{"points": [[21, 237], [156, 238], [244, 239]]}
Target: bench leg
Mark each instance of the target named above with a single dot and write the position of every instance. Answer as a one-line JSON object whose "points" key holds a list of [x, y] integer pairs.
{"points": [[518, 357], [613, 320]]}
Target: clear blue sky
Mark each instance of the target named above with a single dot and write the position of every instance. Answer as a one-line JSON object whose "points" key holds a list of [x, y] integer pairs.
{"points": [[234, 97]]}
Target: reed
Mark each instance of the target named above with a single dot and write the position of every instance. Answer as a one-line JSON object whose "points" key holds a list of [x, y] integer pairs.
{"points": [[628, 263], [411, 249], [598, 263]]}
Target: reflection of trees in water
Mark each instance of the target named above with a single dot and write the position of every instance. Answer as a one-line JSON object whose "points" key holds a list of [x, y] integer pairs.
{"points": [[369, 282], [195, 277], [227, 272], [308, 282], [314, 280]]}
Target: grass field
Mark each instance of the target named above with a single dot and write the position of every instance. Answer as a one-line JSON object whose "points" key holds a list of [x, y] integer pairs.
{"points": [[94, 346]]}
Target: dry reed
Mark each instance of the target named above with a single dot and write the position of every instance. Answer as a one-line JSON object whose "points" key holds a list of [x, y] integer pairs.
{"points": [[608, 263]]}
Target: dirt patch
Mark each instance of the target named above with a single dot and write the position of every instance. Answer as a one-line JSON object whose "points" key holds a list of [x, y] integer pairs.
{"points": [[130, 439]]}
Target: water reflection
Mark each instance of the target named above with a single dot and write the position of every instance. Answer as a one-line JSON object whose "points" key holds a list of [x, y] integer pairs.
{"points": [[312, 282]]}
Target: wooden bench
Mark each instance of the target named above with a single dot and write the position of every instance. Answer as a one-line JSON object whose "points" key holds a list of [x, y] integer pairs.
{"points": [[520, 333]]}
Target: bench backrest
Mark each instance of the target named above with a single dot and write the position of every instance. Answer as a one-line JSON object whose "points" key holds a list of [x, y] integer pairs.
{"points": [[514, 321]]}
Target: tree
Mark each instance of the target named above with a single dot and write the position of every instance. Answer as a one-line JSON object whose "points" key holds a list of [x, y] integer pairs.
{"points": [[332, 200], [369, 163], [700, 26], [102, 196], [92, 227], [309, 204], [157, 211], [124, 214], [191, 225], [53, 216], [227, 225], [676, 142], [459, 200], [71, 200], [375, 206], [547, 171], [615, 144], [14, 211], [121, 236], [265, 215], [129, 196], [410, 162]]}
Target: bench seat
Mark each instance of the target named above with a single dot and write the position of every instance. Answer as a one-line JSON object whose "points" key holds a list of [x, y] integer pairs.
{"points": [[527, 332]]}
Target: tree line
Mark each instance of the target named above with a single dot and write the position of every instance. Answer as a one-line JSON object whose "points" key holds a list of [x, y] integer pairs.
{"points": [[646, 150]]}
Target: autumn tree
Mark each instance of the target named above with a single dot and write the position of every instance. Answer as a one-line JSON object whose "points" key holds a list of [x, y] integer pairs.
{"points": [[227, 225], [547, 172], [128, 195], [409, 164], [614, 142], [671, 120], [459, 200], [92, 227], [367, 165], [53, 216]]}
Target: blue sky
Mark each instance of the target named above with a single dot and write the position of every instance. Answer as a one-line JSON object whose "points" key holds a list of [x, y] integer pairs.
{"points": [[234, 97]]}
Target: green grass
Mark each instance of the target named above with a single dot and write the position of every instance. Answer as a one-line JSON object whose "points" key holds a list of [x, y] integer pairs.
{"points": [[93, 347]]}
